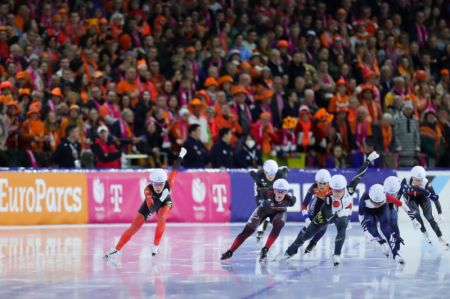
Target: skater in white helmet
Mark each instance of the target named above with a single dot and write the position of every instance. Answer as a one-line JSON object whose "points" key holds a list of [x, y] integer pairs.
{"points": [[158, 201], [264, 179], [273, 207], [374, 210], [312, 203], [420, 195], [337, 208]]}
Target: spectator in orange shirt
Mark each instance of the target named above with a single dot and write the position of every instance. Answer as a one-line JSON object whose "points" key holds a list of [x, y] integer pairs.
{"points": [[129, 85], [340, 98], [228, 119], [32, 136], [264, 134]]}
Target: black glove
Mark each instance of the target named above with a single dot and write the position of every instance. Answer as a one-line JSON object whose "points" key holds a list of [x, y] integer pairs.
{"points": [[319, 219], [433, 197]]}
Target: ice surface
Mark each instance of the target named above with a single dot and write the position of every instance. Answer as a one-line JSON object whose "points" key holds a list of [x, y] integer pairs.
{"points": [[66, 262]]}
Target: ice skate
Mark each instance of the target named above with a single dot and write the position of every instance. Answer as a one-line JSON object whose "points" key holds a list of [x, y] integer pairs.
{"points": [[427, 237], [336, 260], [283, 257], [114, 252], [259, 235], [155, 250], [444, 242], [399, 259], [263, 254], [310, 247], [385, 249], [226, 255]]}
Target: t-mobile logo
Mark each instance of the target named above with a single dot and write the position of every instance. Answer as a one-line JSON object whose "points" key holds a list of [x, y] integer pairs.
{"points": [[116, 197], [219, 196]]}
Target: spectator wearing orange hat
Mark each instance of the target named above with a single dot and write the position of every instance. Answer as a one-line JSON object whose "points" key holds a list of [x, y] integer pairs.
{"points": [[31, 137], [443, 85], [339, 101], [55, 99], [6, 88], [197, 110], [74, 118], [287, 139], [305, 129], [225, 84], [228, 119], [263, 100], [241, 108], [283, 47], [211, 86], [367, 99], [265, 134]]}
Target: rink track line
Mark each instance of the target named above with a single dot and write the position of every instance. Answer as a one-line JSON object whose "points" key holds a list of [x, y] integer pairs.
{"points": [[296, 274]]}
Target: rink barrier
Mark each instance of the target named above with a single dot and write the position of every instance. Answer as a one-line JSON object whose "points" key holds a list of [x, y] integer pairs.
{"points": [[39, 197]]}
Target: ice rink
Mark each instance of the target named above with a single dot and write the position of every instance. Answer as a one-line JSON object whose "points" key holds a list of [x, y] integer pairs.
{"points": [[66, 262]]}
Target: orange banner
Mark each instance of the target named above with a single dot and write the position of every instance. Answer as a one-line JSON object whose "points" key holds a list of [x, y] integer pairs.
{"points": [[28, 198]]}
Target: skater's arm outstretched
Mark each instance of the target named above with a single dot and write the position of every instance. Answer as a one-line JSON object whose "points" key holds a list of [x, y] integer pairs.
{"points": [[351, 188], [176, 166]]}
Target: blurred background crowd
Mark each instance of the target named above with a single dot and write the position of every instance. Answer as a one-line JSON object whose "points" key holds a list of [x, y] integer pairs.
{"points": [[309, 83]]}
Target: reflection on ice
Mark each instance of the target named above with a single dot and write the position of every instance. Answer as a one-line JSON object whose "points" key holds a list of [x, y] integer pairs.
{"points": [[55, 261]]}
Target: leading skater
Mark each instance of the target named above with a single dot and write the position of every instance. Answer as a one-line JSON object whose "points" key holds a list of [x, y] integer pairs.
{"points": [[157, 200], [274, 206], [264, 179], [336, 209]]}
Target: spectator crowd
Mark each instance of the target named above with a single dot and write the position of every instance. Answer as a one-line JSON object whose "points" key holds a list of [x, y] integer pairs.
{"points": [[84, 83]]}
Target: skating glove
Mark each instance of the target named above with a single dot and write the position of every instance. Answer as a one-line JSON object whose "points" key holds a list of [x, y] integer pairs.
{"points": [[373, 156], [307, 221], [433, 197], [182, 153]]}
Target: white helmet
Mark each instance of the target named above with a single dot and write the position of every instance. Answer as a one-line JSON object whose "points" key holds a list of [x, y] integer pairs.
{"points": [[391, 185], [158, 175], [270, 167], [281, 185], [376, 194], [338, 182], [418, 172], [323, 176]]}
